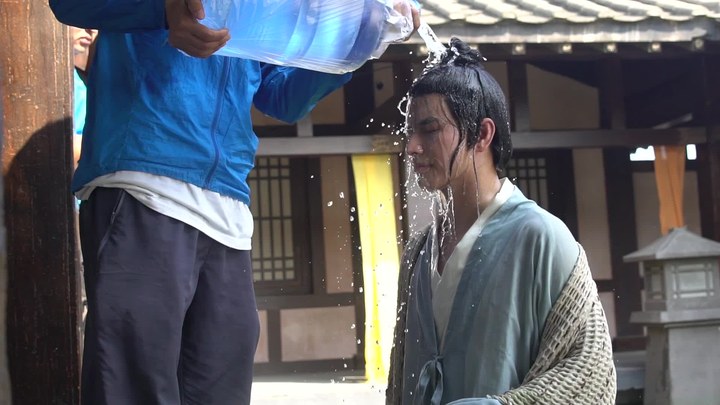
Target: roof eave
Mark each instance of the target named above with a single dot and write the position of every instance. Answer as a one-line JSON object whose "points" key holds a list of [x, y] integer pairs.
{"points": [[600, 31]]}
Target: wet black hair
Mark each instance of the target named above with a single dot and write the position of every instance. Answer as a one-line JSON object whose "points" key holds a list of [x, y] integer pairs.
{"points": [[472, 95]]}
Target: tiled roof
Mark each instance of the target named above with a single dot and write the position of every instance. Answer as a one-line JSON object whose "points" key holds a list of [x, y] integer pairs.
{"points": [[487, 12], [574, 20]]}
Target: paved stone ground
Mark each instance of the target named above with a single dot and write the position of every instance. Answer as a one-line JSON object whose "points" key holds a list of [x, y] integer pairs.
{"points": [[316, 389], [335, 389]]}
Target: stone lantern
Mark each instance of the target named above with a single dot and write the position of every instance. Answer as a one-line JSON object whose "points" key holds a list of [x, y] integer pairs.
{"points": [[682, 315]]}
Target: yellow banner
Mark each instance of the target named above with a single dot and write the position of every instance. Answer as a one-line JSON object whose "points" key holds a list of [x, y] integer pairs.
{"points": [[670, 176], [380, 257]]}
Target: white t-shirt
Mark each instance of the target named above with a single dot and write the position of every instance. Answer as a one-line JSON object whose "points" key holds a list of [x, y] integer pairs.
{"points": [[222, 218]]}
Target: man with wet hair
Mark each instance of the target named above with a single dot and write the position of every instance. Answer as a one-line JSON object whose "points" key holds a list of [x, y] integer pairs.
{"points": [[496, 302]]}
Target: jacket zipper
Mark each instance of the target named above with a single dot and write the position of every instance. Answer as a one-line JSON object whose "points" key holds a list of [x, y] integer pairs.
{"points": [[216, 119]]}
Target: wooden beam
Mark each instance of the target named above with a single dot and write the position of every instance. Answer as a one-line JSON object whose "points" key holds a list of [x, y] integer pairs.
{"points": [[561, 184], [623, 239], [620, 201], [346, 369], [598, 138], [708, 158], [278, 302], [43, 304], [360, 95], [502, 49], [519, 104], [327, 145], [358, 276], [315, 226], [611, 94], [592, 138], [274, 335]]}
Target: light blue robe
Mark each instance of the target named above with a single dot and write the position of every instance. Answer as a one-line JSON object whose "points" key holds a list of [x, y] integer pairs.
{"points": [[515, 271], [79, 103]]}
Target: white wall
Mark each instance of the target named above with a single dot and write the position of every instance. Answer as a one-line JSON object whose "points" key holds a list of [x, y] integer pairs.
{"points": [[590, 195], [318, 333], [262, 354], [557, 102]]}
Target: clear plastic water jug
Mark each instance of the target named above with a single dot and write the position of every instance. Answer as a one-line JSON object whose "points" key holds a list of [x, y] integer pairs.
{"points": [[334, 36]]}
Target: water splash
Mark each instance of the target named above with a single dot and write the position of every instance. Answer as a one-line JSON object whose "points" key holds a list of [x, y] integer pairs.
{"points": [[436, 49]]}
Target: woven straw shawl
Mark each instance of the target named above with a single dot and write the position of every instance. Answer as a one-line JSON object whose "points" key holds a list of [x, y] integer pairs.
{"points": [[575, 361]]}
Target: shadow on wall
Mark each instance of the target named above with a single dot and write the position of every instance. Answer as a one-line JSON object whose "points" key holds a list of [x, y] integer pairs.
{"points": [[42, 321]]}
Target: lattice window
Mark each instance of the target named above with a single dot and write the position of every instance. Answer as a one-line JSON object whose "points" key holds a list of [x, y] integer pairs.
{"points": [[530, 175], [281, 245], [272, 253]]}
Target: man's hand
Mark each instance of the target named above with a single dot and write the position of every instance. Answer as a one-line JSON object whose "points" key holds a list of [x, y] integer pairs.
{"points": [[416, 19], [404, 7], [187, 34]]}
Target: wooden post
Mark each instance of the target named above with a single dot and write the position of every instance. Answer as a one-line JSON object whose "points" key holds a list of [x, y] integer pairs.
{"points": [[42, 305], [627, 284], [4, 372], [519, 101], [708, 156]]}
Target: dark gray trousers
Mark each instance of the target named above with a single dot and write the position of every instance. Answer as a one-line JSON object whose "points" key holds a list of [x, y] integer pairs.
{"points": [[171, 316]]}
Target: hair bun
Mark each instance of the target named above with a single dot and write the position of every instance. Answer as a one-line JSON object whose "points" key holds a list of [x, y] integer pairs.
{"points": [[461, 54]]}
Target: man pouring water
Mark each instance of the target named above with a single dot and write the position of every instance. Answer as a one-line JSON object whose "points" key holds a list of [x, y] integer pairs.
{"points": [[165, 224]]}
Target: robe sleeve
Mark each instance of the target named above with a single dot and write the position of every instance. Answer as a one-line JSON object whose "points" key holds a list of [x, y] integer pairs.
{"points": [[393, 392], [575, 364]]}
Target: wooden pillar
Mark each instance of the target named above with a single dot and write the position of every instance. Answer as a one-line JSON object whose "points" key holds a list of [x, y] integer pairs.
{"points": [[360, 95], [708, 157], [42, 305], [4, 372], [627, 284], [519, 102]]}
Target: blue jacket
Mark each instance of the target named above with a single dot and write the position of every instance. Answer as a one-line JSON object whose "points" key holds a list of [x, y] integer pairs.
{"points": [[153, 109]]}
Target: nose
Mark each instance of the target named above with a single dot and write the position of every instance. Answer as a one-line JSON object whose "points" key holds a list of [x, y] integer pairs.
{"points": [[413, 146]]}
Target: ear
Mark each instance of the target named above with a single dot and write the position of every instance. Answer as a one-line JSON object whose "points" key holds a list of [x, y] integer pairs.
{"points": [[487, 133]]}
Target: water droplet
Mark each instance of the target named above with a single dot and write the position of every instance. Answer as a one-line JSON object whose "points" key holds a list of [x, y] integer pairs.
{"points": [[342, 195], [330, 203]]}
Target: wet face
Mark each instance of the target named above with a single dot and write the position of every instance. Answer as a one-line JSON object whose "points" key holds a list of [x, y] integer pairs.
{"points": [[433, 137]]}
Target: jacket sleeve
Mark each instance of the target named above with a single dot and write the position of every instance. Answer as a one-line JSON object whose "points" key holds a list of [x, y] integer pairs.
{"points": [[288, 94], [111, 15]]}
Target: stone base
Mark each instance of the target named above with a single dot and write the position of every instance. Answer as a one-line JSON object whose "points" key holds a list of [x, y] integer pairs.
{"points": [[683, 364]]}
